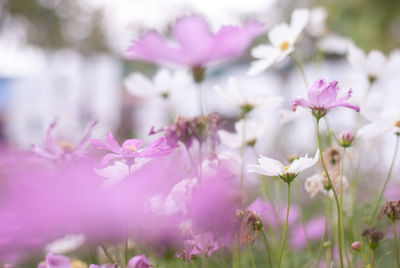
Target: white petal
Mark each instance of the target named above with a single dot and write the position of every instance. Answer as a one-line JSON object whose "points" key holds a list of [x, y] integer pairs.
{"points": [[299, 21], [280, 34], [376, 62], [271, 166], [259, 66], [303, 163], [232, 140], [252, 168], [356, 58], [139, 85], [263, 51], [372, 130]]}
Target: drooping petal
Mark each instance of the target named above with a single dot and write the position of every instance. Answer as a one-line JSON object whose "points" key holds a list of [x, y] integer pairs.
{"points": [[253, 168], [300, 102], [341, 102], [303, 163]]}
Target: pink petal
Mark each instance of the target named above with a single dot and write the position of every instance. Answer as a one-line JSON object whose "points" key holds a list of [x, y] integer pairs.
{"points": [[99, 144], [86, 136], [49, 143], [154, 48], [195, 39], [113, 144], [300, 102], [109, 157]]}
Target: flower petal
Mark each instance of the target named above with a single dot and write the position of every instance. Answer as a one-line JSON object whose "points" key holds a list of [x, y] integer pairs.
{"points": [[303, 163], [271, 166]]}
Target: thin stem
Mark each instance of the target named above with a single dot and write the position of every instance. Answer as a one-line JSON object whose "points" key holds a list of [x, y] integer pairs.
{"points": [[396, 247], [378, 201], [301, 69], [126, 253], [373, 258], [267, 247], [334, 194], [108, 255], [285, 228], [321, 244], [341, 208], [253, 264], [243, 146]]}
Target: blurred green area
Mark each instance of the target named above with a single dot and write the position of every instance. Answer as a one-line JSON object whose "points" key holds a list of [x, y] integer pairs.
{"points": [[372, 24]]}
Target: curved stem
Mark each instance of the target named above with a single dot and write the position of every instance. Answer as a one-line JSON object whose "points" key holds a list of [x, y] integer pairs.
{"points": [[378, 201], [396, 247], [334, 194], [267, 247], [285, 228], [253, 264], [341, 209]]}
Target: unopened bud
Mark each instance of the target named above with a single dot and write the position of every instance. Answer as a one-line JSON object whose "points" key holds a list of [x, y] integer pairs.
{"points": [[356, 246], [346, 138]]}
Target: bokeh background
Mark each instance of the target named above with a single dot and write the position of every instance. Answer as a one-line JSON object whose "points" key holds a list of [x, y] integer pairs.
{"points": [[64, 58]]}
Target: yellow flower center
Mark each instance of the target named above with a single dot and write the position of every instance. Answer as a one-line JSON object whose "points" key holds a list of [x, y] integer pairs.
{"points": [[397, 124], [284, 45], [132, 148], [66, 146], [286, 168]]}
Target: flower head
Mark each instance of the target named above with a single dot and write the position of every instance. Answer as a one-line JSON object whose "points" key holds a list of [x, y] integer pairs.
{"points": [[62, 150], [130, 149], [346, 138], [283, 38], [322, 97], [139, 261], [271, 167], [390, 209], [387, 121], [195, 44]]}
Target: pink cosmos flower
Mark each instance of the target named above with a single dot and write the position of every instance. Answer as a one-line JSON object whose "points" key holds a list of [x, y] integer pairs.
{"points": [[139, 261], [61, 150], [322, 97], [314, 229], [130, 149], [195, 45], [197, 245], [55, 261]]}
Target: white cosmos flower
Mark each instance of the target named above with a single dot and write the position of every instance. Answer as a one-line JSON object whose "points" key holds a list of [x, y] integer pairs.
{"points": [[316, 24], [163, 82], [315, 184], [387, 121], [372, 65], [248, 99], [251, 128], [271, 167], [283, 38], [66, 244]]}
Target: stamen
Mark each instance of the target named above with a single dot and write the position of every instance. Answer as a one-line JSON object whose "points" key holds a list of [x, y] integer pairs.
{"points": [[284, 45]]}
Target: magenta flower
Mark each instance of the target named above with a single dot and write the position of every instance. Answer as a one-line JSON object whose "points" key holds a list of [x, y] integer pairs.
{"points": [[197, 245], [196, 45], [61, 150], [139, 261], [55, 261], [346, 138], [130, 149], [322, 97]]}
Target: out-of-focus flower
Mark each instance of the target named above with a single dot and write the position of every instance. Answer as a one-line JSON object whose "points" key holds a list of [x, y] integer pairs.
{"points": [[334, 44], [372, 65], [65, 244], [373, 236], [316, 24], [247, 131], [356, 246], [270, 216], [346, 138], [62, 150], [139, 261], [197, 245], [314, 185], [314, 229], [163, 82], [390, 209], [246, 99], [227, 162], [322, 97], [283, 38], [271, 167], [251, 223], [387, 121], [186, 130], [103, 266], [130, 149], [196, 45], [55, 261]]}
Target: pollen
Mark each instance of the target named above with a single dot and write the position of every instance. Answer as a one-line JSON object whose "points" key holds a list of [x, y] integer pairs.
{"points": [[397, 124], [284, 45], [132, 148], [286, 168]]}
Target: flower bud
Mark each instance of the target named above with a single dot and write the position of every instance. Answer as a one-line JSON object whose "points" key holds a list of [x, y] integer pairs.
{"points": [[356, 246], [346, 138]]}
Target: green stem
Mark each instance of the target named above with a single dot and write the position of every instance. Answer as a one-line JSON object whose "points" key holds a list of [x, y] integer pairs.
{"points": [[373, 258], [396, 247], [108, 255], [301, 69], [321, 244], [378, 201], [341, 209], [126, 253], [242, 153], [267, 247], [285, 228], [251, 256], [334, 194]]}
